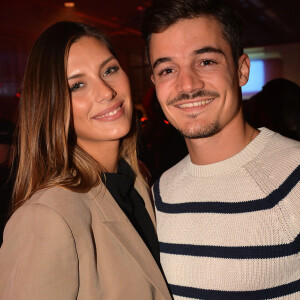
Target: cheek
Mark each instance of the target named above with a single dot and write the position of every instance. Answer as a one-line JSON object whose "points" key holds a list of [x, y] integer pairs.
{"points": [[223, 82], [232, 88], [122, 87], [80, 109], [122, 84], [126, 94], [163, 91], [129, 113]]}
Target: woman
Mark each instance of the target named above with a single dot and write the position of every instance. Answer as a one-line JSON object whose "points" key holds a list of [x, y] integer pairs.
{"points": [[84, 226]]}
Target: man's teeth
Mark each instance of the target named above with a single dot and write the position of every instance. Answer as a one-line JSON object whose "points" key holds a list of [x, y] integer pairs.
{"points": [[109, 114], [193, 104]]}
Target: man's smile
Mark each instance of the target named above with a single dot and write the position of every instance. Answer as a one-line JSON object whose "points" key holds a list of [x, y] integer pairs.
{"points": [[195, 104]]}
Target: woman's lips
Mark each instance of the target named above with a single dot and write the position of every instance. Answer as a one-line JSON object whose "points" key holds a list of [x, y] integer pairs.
{"points": [[111, 113]]}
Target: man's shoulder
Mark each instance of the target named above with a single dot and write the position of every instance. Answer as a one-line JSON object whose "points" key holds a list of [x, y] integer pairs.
{"points": [[282, 147], [176, 169], [172, 174], [286, 141], [278, 160]]}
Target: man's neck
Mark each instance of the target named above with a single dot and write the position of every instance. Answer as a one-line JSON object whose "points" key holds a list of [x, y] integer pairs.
{"points": [[228, 142]]}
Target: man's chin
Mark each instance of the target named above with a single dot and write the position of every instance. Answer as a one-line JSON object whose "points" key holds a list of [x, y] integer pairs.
{"points": [[201, 131]]}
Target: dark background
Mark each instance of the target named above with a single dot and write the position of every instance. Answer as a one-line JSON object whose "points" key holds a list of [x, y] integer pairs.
{"points": [[267, 23]]}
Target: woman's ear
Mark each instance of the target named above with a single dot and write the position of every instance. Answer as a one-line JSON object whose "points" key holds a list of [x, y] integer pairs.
{"points": [[152, 78], [243, 69]]}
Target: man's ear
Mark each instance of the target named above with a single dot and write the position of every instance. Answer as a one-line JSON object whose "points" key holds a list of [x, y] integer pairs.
{"points": [[243, 69]]}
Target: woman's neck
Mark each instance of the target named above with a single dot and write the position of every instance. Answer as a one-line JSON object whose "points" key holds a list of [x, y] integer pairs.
{"points": [[105, 153]]}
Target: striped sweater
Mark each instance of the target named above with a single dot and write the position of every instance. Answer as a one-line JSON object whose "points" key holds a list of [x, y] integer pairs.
{"points": [[231, 230]]}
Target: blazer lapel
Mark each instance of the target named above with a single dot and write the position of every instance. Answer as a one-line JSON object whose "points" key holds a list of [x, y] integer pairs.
{"points": [[146, 194], [122, 229], [134, 245]]}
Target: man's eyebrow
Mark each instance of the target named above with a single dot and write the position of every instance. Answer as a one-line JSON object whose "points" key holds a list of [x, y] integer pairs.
{"points": [[101, 66], [160, 61], [198, 51], [208, 50]]}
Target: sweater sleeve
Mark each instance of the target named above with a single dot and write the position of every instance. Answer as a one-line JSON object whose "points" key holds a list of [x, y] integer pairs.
{"points": [[38, 258]]}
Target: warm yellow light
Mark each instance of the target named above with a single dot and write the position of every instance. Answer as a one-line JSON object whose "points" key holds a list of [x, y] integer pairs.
{"points": [[69, 4]]}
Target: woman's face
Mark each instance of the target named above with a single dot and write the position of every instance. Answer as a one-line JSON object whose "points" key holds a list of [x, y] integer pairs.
{"points": [[100, 94]]}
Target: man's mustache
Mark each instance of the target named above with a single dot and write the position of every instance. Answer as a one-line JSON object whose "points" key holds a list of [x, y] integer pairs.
{"points": [[193, 95]]}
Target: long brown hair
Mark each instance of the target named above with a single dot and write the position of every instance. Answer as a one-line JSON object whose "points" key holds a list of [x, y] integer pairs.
{"points": [[46, 153]]}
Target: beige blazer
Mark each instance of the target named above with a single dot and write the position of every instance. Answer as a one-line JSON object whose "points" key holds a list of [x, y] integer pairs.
{"points": [[62, 245]]}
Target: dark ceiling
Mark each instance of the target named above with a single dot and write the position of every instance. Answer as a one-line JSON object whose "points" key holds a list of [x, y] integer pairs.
{"points": [[266, 22]]}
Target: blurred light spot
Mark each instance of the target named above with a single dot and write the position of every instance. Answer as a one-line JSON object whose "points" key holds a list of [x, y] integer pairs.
{"points": [[69, 4]]}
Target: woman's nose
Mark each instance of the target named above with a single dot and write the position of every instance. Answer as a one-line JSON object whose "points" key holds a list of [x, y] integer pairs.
{"points": [[104, 91]]}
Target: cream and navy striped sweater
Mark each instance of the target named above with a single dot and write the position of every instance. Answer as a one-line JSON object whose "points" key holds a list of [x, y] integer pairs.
{"points": [[231, 230]]}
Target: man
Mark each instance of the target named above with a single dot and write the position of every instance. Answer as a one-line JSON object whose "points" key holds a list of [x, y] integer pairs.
{"points": [[228, 214]]}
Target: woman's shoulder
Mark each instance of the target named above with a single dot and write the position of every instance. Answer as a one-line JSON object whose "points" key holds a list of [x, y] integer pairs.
{"points": [[31, 221], [67, 204], [57, 197], [54, 206]]}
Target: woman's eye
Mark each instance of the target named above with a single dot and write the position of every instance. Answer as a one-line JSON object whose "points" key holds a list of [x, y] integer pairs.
{"points": [[76, 86], [111, 70], [165, 72]]}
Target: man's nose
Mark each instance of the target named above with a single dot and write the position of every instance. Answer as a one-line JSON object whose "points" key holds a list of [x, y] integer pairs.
{"points": [[188, 81]]}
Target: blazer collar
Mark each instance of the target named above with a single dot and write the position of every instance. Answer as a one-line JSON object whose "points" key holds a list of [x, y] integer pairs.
{"points": [[122, 229]]}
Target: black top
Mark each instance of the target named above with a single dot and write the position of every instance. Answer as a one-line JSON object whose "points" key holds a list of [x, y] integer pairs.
{"points": [[6, 189], [121, 187]]}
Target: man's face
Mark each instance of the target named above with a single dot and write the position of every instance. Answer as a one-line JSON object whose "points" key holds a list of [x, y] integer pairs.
{"points": [[196, 80]]}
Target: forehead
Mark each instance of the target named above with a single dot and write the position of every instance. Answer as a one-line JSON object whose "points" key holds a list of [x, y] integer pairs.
{"points": [[186, 36], [87, 44], [86, 52]]}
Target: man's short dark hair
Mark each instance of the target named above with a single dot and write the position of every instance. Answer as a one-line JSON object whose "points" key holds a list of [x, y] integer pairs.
{"points": [[164, 13]]}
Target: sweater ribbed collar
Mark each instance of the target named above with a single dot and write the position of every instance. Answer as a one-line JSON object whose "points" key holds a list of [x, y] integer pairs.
{"points": [[228, 165]]}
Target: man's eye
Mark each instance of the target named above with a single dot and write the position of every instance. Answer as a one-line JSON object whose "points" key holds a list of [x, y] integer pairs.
{"points": [[76, 86], [111, 70], [207, 62], [165, 72]]}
